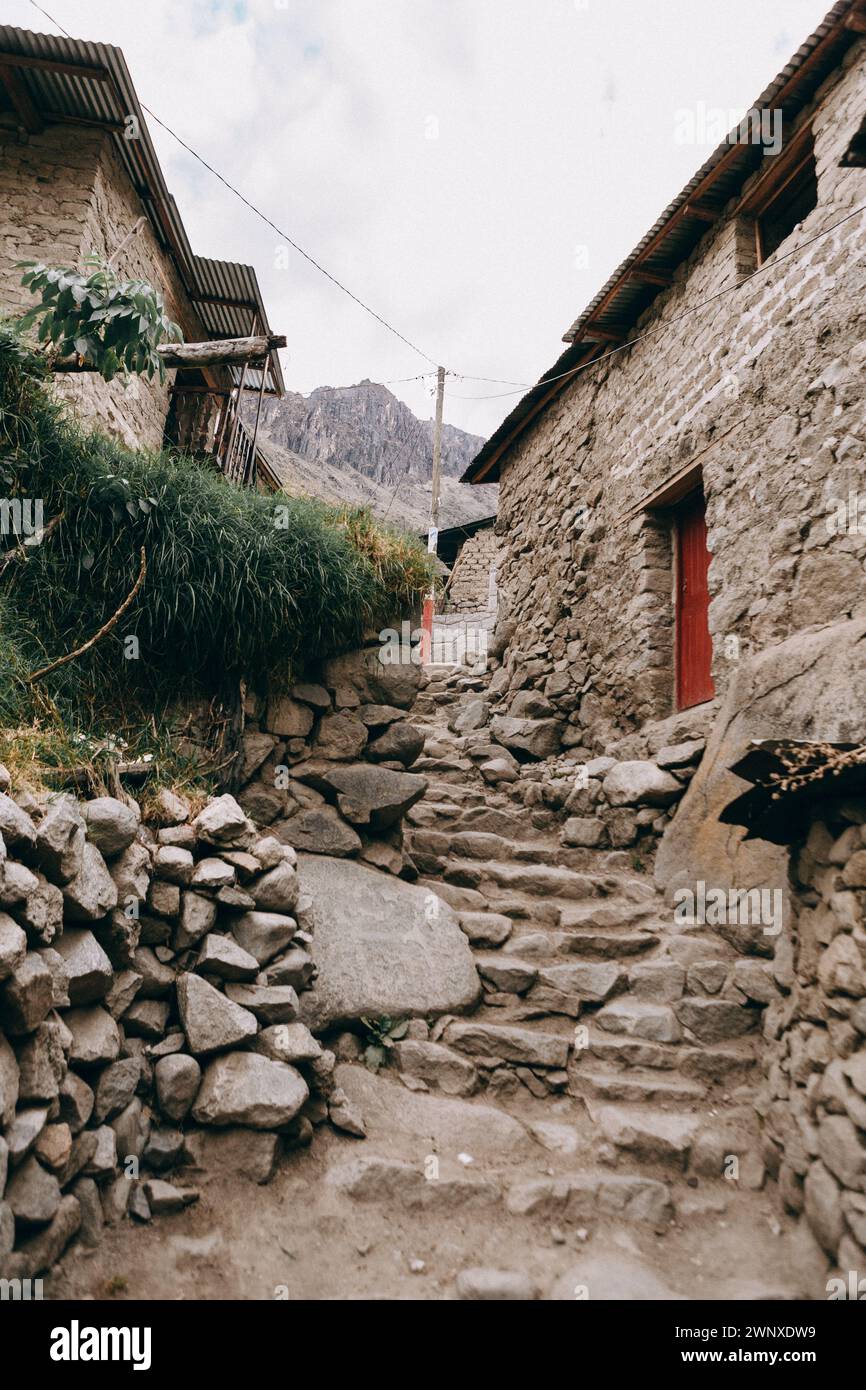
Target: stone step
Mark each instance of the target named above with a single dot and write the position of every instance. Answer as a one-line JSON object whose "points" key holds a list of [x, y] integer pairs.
{"points": [[634, 1086], [611, 912], [660, 1136], [725, 1065], [542, 880], [609, 945], [490, 1044], [622, 1051], [486, 929], [637, 1018], [588, 1194], [449, 791]]}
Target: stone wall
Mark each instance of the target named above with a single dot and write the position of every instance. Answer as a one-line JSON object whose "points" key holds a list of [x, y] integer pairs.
{"points": [[324, 763], [813, 1101], [149, 982], [159, 978], [762, 388], [472, 587], [63, 194]]}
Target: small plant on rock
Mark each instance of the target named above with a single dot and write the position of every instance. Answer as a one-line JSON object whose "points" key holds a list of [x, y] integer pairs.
{"points": [[381, 1035]]}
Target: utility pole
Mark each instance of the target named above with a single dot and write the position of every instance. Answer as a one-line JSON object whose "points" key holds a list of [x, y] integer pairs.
{"points": [[437, 449], [433, 534]]}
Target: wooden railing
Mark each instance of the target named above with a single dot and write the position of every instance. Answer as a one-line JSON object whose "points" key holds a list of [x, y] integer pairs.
{"points": [[205, 422]]}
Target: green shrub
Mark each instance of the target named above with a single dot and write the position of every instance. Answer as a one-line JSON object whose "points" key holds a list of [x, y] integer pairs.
{"points": [[238, 584]]}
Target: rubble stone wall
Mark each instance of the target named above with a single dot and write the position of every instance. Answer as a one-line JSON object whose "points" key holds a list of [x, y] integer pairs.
{"points": [[64, 194], [150, 1024], [763, 389], [472, 587], [813, 1100], [325, 764]]}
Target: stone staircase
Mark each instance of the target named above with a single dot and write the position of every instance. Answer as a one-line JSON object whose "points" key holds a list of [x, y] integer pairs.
{"points": [[587, 983]]}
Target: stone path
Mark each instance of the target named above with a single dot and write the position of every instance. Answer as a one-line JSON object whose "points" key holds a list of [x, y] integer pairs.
{"points": [[566, 1138]]}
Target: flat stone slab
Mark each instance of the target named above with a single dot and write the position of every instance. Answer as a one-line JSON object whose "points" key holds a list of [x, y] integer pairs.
{"points": [[412, 1119], [382, 946]]}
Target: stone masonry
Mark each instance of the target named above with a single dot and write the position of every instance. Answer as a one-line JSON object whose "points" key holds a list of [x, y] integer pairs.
{"points": [[763, 389], [64, 194]]}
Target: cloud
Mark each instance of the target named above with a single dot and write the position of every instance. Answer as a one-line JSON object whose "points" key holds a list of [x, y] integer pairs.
{"points": [[474, 169]]}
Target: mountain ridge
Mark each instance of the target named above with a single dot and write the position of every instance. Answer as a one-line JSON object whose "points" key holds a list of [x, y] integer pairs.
{"points": [[360, 444]]}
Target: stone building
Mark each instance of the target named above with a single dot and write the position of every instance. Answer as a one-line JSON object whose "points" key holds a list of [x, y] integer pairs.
{"points": [[475, 549], [79, 174], [683, 488]]}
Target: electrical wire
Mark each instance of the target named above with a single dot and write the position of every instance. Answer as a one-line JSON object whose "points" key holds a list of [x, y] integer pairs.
{"points": [[676, 318], [264, 217]]}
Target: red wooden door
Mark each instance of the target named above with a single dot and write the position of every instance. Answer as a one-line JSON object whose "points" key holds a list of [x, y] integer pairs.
{"points": [[694, 646]]}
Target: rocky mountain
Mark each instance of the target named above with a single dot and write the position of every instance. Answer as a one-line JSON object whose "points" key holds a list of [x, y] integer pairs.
{"points": [[360, 444]]}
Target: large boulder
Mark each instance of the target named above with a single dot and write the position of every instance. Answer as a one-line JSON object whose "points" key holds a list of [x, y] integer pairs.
{"points": [[223, 822], [370, 677], [340, 736], [812, 686], [60, 839], [88, 968], [92, 892], [16, 827], [248, 1089], [374, 796], [400, 743], [529, 738], [640, 784], [382, 946]]}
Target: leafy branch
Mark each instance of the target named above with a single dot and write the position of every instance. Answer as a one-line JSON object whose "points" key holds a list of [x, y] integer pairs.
{"points": [[116, 325]]}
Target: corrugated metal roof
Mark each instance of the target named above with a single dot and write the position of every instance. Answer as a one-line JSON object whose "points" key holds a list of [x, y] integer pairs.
{"points": [[674, 235], [102, 93]]}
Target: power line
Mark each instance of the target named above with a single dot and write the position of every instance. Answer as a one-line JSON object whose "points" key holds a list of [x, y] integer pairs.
{"points": [[264, 217], [677, 318], [519, 387]]}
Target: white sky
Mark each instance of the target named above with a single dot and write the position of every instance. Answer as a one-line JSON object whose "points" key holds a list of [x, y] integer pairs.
{"points": [[554, 152]]}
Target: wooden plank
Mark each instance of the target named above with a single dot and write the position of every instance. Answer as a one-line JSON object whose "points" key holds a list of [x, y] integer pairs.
{"points": [[25, 107]]}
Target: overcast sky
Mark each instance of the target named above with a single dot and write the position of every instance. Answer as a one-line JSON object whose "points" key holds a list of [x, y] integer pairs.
{"points": [[473, 169]]}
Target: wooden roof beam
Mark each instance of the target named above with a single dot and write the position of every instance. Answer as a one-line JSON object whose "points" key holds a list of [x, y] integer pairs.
{"points": [[663, 278], [223, 301], [856, 20], [224, 352], [28, 60], [703, 214], [23, 103], [604, 335]]}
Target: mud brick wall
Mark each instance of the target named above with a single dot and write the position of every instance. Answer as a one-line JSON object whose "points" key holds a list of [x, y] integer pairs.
{"points": [[63, 194], [764, 389], [813, 1101]]}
